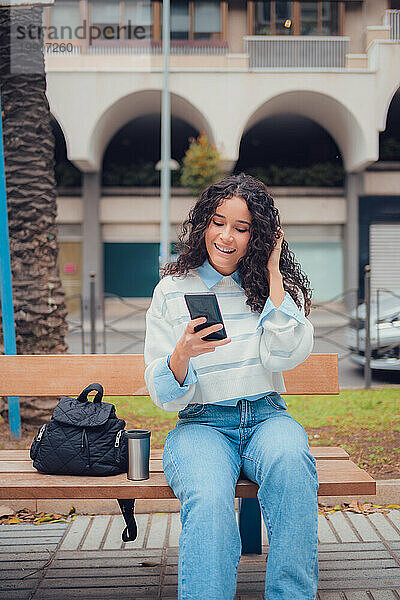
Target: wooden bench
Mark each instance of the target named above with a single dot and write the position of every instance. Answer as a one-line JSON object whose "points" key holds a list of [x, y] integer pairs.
{"points": [[123, 375]]}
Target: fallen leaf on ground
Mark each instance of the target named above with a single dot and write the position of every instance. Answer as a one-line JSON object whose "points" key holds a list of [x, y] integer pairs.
{"points": [[365, 509]]}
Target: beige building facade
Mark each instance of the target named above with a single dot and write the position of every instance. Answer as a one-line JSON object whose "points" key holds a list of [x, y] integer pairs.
{"points": [[234, 65]]}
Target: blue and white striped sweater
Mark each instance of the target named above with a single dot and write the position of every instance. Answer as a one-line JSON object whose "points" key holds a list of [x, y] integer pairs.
{"points": [[249, 366]]}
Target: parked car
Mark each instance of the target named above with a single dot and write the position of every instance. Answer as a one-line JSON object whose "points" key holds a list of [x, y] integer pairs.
{"points": [[384, 333]]}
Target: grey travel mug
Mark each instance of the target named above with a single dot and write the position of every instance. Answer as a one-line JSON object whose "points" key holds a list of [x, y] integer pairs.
{"points": [[139, 453]]}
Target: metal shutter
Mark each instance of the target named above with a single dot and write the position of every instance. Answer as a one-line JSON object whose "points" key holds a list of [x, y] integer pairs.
{"points": [[384, 252]]}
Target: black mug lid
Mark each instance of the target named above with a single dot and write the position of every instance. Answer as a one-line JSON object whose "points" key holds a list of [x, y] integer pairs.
{"points": [[138, 433]]}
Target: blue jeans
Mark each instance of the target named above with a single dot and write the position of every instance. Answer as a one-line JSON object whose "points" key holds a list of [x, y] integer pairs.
{"points": [[203, 457]]}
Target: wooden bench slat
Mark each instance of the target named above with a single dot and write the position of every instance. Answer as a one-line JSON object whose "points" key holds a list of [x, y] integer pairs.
{"points": [[336, 477], [26, 466], [325, 452], [123, 374]]}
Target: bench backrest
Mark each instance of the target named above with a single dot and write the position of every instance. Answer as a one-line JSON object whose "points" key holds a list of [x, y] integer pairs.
{"points": [[123, 375]]}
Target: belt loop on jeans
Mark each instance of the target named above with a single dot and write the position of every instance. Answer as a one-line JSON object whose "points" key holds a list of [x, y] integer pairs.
{"points": [[242, 414]]}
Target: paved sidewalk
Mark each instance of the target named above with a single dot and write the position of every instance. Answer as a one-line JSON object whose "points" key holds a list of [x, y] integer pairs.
{"points": [[359, 558]]}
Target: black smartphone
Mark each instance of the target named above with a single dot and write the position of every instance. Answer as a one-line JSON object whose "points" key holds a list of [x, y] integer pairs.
{"points": [[206, 305]]}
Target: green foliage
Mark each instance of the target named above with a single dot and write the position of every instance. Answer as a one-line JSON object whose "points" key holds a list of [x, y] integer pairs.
{"points": [[138, 175], [390, 149], [201, 165], [351, 410], [317, 175]]}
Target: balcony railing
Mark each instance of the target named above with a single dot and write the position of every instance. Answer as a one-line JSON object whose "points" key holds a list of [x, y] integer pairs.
{"points": [[150, 47], [296, 52], [392, 18]]}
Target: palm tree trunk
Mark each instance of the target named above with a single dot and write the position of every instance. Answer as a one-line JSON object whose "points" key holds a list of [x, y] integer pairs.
{"points": [[39, 301]]}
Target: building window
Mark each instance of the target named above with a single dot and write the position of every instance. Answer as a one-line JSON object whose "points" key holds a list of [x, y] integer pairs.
{"points": [[296, 18], [262, 21], [330, 18], [106, 17], [283, 18], [64, 20], [195, 20], [207, 19], [309, 18], [180, 21], [138, 14]]}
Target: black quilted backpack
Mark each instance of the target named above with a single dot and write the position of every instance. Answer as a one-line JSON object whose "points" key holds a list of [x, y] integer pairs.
{"points": [[82, 438]]}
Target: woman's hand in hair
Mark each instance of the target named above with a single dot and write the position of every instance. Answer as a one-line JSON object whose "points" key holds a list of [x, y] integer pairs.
{"points": [[273, 261], [190, 345]]}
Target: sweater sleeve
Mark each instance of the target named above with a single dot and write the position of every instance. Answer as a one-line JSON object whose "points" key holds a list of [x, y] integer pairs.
{"points": [[287, 337], [159, 345]]}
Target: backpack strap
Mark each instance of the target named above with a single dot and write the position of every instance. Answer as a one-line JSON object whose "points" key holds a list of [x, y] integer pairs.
{"points": [[93, 387], [127, 506]]}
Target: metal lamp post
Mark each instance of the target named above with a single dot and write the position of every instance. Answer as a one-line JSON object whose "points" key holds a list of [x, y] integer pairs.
{"points": [[165, 141]]}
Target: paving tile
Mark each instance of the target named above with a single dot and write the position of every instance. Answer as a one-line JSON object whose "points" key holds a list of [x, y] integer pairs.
{"points": [[105, 562], [103, 573], [325, 534], [330, 595], [85, 583], [22, 528], [29, 535], [394, 517], [353, 555], [353, 584], [24, 566], [365, 577], [96, 532], [75, 534], [24, 584], [175, 530], [384, 527], [23, 556], [113, 540], [357, 595], [18, 595], [28, 540], [342, 527], [124, 553], [351, 547], [33, 547], [363, 526], [352, 564], [395, 545], [125, 593], [158, 530], [383, 595]]}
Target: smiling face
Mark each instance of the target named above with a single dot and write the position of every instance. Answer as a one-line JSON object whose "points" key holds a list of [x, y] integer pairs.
{"points": [[227, 235]]}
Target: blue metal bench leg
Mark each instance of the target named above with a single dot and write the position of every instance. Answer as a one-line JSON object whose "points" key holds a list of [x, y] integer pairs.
{"points": [[250, 525]]}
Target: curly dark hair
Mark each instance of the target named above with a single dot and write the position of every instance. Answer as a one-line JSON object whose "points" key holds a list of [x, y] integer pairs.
{"points": [[264, 233]]}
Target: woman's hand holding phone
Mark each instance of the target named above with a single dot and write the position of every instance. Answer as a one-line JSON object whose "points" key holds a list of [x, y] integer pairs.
{"points": [[191, 344]]}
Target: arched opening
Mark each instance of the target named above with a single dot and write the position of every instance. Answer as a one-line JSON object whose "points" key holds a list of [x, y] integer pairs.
{"points": [[291, 150], [131, 156], [389, 140], [145, 104], [301, 162]]}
